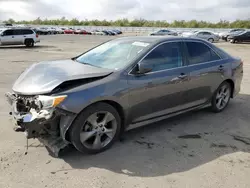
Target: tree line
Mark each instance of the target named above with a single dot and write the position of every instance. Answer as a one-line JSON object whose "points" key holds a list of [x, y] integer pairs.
{"points": [[136, 23]]}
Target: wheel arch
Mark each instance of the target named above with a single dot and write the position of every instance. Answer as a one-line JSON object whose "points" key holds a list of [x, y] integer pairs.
{"points": [[116, 105], [231, 82], [27, 39]]}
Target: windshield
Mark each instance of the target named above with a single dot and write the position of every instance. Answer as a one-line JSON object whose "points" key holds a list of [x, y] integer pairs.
{"points": [[115, 54]]}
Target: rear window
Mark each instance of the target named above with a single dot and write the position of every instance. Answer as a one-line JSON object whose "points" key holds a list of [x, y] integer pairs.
{"points": [[200, 53], [27, 32]]}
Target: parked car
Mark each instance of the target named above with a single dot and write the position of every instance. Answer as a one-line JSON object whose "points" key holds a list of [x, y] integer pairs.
{"points": [[97, 32], [52, 31], [91, 99], [41, 31], [164, 32], [107, 32], [82, 32], [240, 37], [112, 32], [224, 35], [59, 30], [8, 25], [69, 31], [18, 36], [117, 31], [206, 35]]}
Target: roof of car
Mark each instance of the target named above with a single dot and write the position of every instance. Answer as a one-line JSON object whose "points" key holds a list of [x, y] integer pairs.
{"points": [[157, 39], [15, 28]]}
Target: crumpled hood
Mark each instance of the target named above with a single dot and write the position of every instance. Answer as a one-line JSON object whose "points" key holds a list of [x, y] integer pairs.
{"points": [[42, 78]]}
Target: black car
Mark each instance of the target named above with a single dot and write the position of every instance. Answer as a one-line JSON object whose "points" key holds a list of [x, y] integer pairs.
{"points": [[106, 32], [231, 32], [240, 37]]}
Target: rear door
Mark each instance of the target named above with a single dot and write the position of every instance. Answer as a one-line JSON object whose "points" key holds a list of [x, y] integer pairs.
{"points": [[28, 33], [207, 71], [18, 36], [248, 36]]}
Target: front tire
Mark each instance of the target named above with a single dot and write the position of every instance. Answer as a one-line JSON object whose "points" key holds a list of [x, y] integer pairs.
{"points": [[221, 97], [211, 40], [96, 128]]}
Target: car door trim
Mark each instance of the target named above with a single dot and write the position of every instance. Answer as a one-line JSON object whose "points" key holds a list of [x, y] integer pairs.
{"points": [[184, 55]]}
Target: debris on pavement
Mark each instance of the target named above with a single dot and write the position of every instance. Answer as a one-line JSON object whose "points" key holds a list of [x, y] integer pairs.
{"points": [[149, 144], [213, 145], [190, 136], [242, 139]]}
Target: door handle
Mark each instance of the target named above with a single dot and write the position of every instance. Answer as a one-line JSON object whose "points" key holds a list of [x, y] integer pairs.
{"points": [[221, 68], [24, 36], [13, 37], [182, 76]]}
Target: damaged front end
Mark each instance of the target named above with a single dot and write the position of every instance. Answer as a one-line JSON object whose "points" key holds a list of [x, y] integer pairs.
{"points": [[38, 117]]}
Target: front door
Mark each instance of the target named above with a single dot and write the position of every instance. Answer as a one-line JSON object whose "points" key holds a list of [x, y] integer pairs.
{"points": [[8, 37], [163, 90]]}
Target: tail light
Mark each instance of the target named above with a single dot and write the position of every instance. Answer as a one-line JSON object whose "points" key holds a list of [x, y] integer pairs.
{"points": [[37, 36]]}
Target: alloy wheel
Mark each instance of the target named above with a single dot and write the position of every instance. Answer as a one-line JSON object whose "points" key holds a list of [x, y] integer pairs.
{"points": [[222, 97], [98, 130]]}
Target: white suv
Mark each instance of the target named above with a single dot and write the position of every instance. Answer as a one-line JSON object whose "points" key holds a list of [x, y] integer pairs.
{"points": [[10, 36]]}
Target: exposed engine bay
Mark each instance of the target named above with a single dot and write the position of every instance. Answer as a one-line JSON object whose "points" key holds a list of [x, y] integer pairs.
{"points": [[36, 101], [36, 119]]}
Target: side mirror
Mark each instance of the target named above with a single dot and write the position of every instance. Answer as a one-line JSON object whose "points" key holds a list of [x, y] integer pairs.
{"points": [[2, 34], [144, 67]]}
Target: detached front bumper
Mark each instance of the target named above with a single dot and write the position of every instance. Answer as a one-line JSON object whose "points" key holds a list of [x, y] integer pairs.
{"points": [[48, 126]]}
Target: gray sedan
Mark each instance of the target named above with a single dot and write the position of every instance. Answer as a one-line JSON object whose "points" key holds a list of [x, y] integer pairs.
{"points": [[90, 100], [163, 32], [206, 35]]}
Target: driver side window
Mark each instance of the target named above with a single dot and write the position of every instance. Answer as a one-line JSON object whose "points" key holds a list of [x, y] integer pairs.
{"points": [[166, 56]]}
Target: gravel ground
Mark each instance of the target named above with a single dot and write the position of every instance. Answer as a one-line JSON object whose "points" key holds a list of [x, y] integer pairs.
{"points": [[214, 151]]}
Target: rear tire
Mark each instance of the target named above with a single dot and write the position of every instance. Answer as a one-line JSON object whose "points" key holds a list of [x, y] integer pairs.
{"points": [[29, 42], [91, 126], [221, 97]]}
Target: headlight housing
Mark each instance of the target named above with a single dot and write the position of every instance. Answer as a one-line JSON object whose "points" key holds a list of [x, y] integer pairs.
{"points": [[51, 101]]}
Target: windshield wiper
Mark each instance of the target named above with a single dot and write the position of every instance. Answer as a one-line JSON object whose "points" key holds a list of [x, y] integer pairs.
{"points": [[84, 63]]}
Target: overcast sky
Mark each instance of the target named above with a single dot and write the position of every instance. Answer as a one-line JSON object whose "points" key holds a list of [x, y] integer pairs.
{"points": [[208, 10]]}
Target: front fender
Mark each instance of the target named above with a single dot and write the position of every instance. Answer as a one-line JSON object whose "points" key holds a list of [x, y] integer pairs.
{"points": [[66, 121]]}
